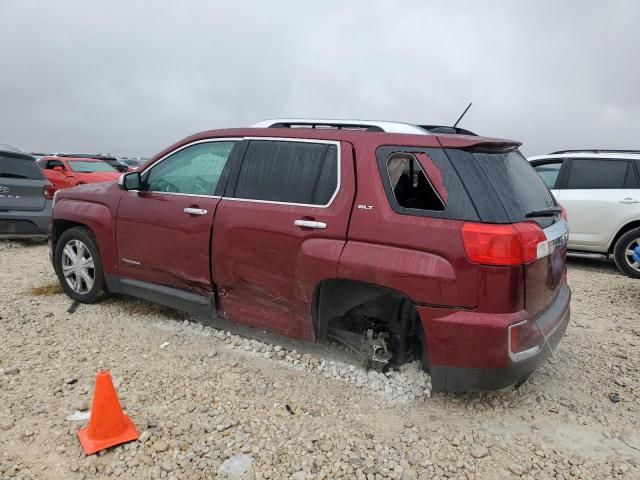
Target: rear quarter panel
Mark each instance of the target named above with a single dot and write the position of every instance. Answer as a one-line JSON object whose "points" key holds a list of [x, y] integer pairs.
{"points": [[422, 257]]}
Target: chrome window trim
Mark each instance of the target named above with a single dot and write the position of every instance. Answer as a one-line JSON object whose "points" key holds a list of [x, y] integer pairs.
{"points": [[299, 140], [207, 140]]}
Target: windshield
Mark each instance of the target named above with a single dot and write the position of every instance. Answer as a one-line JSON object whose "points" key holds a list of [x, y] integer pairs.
{"points": [[89, 167]]}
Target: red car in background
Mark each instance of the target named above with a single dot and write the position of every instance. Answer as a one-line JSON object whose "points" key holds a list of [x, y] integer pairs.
{"points": [[65, 172]]}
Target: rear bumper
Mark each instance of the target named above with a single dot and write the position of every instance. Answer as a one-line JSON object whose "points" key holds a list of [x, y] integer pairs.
{"points": [[454, 378], [24, 224]]}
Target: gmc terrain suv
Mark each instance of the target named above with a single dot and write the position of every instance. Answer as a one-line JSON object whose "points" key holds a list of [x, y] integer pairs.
{"points": [[600, 189], [400, 243], [25, 195]]}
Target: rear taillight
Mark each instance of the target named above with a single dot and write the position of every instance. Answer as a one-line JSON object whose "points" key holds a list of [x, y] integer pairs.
{"points": [[503, 245], [48, 191], [525, 340]]}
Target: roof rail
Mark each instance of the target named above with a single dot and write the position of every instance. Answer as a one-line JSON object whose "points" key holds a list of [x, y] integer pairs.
{"points": [[595, 150], [361, 125]]}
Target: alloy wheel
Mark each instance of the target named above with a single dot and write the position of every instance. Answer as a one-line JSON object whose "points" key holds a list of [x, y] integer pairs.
{"points": [[78, 267]]}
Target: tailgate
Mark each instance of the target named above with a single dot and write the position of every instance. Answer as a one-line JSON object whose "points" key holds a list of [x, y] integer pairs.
{"points": [[544, 277], [21, 183], [506, 189], [21, 194]]}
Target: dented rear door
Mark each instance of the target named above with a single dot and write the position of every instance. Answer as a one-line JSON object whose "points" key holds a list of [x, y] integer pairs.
{"points": [[280, 230]]}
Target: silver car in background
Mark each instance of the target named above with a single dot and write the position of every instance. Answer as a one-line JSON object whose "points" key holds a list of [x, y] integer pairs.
{"points": [[26, 196]]}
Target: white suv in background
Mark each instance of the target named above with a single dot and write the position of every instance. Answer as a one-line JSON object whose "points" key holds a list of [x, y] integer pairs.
{"points": [[600, 190]]}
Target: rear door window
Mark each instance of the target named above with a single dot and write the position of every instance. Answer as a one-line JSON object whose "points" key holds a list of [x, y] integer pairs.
{"points": [[599, 174], [288, 172], [16, 167]]}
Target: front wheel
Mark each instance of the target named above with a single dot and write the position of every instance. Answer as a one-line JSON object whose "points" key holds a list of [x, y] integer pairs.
{"points": [[78, 266], [626, 253]]}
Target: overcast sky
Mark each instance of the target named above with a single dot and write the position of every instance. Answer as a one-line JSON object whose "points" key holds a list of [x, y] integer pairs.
{"points": [[133, 77]]}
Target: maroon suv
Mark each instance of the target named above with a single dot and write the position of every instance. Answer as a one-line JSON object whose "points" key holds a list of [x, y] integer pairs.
{"points": [[397, 240]]}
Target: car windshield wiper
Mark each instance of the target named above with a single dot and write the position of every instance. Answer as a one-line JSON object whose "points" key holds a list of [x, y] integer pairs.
{"points": [[545, 212]]}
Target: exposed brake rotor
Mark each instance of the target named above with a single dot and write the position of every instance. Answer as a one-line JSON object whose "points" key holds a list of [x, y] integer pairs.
{"points": [[376, 348]]}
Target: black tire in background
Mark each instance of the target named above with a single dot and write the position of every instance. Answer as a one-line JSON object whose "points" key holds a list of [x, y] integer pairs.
{"points": [[84, 235], [620, 254]]}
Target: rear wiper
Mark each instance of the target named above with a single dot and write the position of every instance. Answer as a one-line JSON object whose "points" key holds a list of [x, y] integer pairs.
{"points": [[545, 212]]}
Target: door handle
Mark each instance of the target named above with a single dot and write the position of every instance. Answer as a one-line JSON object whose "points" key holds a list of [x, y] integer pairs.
{"points": [[629, 200], [195, 211], [310, 224]]}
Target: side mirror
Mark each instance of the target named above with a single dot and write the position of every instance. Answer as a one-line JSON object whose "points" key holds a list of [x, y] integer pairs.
{"points": [[58, 169], [130, 181]]}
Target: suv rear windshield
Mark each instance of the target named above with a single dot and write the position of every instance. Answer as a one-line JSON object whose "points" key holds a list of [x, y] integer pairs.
{"points": [[504, 187], [19, 167], [519, 187]]}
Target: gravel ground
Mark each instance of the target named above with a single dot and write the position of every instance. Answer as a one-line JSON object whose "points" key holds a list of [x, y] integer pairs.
{"points": [[210, 399]]}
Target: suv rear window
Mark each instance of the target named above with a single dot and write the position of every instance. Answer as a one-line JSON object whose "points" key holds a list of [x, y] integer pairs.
{"points": [[289, 172], [517, 184], [591, 173], [503, 186], [19, 167]]}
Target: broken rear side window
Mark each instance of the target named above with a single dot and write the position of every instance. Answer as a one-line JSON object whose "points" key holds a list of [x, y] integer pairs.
{"points": [[411, 187], [421, 181]]}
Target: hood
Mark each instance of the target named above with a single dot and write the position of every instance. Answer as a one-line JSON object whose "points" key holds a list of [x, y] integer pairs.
{"points": [[99, 176], [80, 192]]}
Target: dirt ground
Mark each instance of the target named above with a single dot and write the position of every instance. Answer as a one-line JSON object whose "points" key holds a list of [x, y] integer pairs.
{"points": [[200, 396]]}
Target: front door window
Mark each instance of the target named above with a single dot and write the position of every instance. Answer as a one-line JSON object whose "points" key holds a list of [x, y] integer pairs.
{"points": [[194, 170]]}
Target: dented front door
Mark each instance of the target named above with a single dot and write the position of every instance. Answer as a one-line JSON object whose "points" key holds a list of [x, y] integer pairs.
{"points": [[163, 231]]}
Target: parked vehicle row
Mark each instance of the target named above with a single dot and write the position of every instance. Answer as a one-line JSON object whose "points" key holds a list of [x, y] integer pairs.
{"points": [[397, 240], [27, 186], [600, 189]]}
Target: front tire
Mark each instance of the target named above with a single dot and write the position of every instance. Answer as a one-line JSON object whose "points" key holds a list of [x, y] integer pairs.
{"points": [[78, 265], [623, 253]]}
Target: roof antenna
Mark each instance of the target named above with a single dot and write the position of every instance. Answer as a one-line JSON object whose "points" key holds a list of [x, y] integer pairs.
{"points": [[463, 113]]}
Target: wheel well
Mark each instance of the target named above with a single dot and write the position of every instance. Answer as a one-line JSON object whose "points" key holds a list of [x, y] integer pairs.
{"points": [[622, 231], [336, 299], [61, 226]]}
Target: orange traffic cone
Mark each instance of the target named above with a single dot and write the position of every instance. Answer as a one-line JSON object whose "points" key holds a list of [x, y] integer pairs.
{"points": [[108, 425]]}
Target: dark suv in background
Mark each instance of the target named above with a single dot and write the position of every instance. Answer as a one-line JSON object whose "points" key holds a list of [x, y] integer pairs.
{"points": [[402, 242], [25, 195]]}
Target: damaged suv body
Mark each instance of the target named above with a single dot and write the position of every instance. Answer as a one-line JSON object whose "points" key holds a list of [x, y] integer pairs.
{"points": [[403, 244]]}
